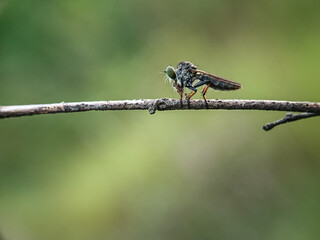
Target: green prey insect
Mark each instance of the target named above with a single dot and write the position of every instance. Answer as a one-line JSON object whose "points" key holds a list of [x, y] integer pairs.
{"points": [[187, 73]]}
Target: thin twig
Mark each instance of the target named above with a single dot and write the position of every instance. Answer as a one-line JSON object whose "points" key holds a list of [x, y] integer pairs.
{"points": [[162, 104], [289, 118], [157, 104]]}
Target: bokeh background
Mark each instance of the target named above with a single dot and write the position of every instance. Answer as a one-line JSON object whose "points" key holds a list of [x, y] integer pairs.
{"points": [[172, 175]]}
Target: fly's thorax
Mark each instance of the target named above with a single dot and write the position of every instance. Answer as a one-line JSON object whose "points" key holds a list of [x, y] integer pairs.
{"points": [[184, 74], [186, 65]]}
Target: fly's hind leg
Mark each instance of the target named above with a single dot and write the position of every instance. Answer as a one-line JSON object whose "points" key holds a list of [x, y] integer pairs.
{"points": [[204, 91]]}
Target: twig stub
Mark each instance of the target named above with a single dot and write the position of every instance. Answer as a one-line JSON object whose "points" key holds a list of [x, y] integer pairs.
{"points": [[289, 118]]}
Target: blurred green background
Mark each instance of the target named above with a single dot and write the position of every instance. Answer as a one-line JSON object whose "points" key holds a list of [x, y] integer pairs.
{"points": [[172, 175]]}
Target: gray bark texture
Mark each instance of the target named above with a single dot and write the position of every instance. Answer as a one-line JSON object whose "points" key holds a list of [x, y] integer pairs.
{"points": [[166, 104], [163, 104]]}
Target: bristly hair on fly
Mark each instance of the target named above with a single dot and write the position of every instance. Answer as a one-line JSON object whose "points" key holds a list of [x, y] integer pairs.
{"points": [[167, 79]]}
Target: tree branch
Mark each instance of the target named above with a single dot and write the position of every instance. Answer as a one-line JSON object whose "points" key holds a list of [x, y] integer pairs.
{"points": [[165, 104], [289, 118]]}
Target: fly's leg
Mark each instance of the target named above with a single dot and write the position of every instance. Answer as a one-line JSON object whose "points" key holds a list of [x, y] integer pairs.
{"points": [[190, 96], [181, 96], [179, 90], [194, 91], [204, 91]]}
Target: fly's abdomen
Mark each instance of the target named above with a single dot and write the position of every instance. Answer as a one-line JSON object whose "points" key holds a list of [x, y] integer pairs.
{"points": [[220, 84], [223, 86]]}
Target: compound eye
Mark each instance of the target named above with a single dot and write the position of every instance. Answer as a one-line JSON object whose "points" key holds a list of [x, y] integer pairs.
{"points": [[170, 72]]}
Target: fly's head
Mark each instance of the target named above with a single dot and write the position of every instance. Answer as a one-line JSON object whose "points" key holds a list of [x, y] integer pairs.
{"points": [[171, 74]]}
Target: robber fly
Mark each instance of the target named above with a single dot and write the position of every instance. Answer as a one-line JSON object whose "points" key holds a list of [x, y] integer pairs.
{"points": [[187, 73]]}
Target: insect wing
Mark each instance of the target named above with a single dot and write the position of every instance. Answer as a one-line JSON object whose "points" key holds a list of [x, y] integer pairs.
{"points": [[215, 79]]}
